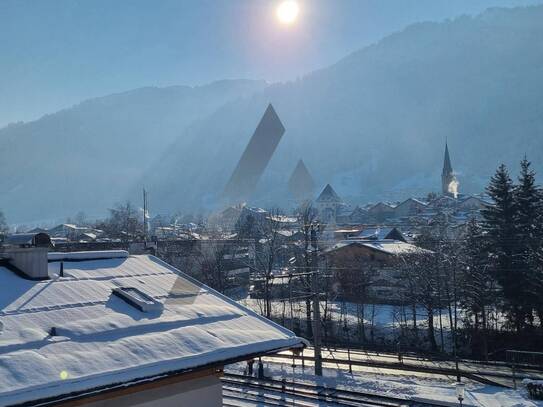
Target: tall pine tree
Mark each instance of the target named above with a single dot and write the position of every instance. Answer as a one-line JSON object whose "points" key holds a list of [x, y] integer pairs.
{"points": [[477, 287], [528, 201], [499, 222], [477, 291]]}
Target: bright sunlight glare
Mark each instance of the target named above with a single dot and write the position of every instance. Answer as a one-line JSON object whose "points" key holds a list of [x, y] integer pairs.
{"points": [[287, 11]]}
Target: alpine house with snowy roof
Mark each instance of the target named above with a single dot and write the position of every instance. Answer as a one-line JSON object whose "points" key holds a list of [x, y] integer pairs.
{"points": [[108, 328], [380, 257], [329, 204]]}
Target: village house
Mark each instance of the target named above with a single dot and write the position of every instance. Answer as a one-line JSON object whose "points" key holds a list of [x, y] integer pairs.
{"points": [[380, 233], [409, 207], [472, 203], [381, 211], [328, 204], [357, 216], [375, 261], [227, 218], [67, 232], [111, 329]]}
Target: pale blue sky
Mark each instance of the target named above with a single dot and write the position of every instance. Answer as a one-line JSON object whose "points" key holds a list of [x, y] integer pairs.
{"points": [[55, 53]]}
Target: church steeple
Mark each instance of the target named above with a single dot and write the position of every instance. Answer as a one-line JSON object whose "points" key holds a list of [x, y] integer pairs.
{"points": [[447, 167], [447, 175]]}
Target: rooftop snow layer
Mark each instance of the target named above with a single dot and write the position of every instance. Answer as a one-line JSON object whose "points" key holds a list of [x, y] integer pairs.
{"points": [[89, 255], [389, 246], [395, 247], [99, 339]]}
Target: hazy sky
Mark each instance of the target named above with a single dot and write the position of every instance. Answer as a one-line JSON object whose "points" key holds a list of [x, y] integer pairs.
{"points": [[55, 53]]}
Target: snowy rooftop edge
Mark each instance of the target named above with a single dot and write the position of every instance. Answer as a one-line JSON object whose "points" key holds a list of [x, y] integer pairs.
{"points": [[101, 340], [88, 255]]}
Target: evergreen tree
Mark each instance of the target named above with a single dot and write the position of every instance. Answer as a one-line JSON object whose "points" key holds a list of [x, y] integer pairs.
{"points": [[501, 236], [536, 284], [477, 288], [528, 200], [476, 283]]}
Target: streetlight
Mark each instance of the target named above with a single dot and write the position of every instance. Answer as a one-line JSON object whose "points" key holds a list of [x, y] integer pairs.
{"points": [[460, 389]]}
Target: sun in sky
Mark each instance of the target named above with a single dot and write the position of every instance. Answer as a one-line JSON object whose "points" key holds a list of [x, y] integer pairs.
{"points": [[287, 11]]}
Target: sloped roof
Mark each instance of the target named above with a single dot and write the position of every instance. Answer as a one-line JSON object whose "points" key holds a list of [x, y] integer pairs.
{"points": [[38, 238], [328, 195], [380, 205], [101, 339], [380, 233], [414, 200], [392, 247], [358, 209], [484, 201]]}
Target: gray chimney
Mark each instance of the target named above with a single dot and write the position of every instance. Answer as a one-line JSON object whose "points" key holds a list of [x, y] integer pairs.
{"points": [[30, 261], [26, 254]]}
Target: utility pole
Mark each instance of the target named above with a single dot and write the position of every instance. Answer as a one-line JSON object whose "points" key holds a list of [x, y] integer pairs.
{"points": [[455, 326], [316, 304]]}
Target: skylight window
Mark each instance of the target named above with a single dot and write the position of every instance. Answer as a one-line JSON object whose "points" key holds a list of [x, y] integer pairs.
{"points": [[137, 299]]}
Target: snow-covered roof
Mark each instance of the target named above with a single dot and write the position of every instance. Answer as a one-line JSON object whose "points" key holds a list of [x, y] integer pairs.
{"points": [[394, 247], [100, 339], [389, 246], [20, 239], [283, 219], [380, 233], [414, 200], [379, 205]]}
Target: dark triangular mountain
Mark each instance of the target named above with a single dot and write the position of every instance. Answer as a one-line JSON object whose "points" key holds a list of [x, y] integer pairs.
{"points": [[301, 184], [255, 158], [89, 157]]}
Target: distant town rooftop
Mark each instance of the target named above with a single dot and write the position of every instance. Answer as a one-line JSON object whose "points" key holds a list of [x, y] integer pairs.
{"points": [[387, 246]]}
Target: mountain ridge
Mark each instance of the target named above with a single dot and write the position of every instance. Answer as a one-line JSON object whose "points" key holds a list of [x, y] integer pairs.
{"points": [[373, 125], [88, 157]]}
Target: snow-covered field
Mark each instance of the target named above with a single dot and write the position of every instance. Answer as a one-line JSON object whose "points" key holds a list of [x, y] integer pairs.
{"points": [[437, 391], [384, 320]]}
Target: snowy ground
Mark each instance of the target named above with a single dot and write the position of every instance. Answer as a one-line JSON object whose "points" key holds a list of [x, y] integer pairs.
{"points": [[383, 319], [437, 391]]}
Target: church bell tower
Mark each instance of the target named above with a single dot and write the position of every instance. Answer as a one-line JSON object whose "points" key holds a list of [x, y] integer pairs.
{"points": [[447, 175]]}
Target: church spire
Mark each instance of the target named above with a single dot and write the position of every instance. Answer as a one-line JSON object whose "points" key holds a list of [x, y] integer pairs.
{"points": [[447, 175], [447, 167]]}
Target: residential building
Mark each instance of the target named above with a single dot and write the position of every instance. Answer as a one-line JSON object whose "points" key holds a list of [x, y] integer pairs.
{"points": [[381, 211], [375, 261], [111, 329], [329, 204], [409, 207]]}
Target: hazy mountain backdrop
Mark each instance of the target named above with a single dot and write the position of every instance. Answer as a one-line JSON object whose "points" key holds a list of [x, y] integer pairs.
{"points": [[374, 125], [90, 156]]}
